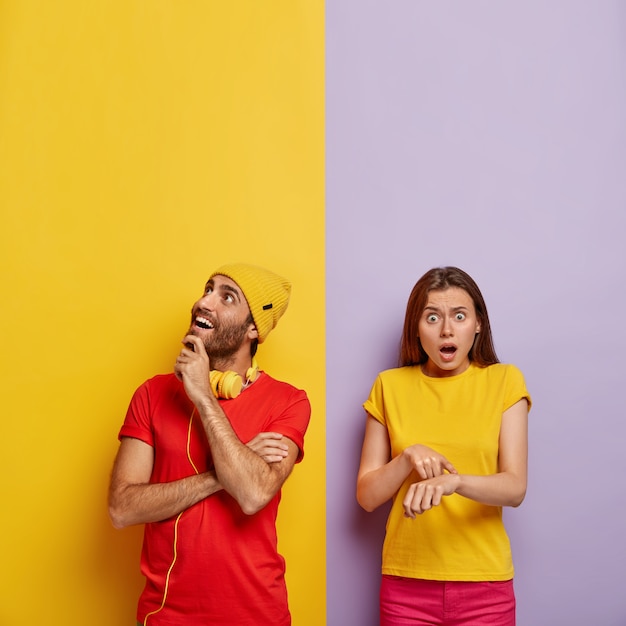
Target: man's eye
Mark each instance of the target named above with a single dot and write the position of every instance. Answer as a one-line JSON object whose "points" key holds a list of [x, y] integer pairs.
{"points": [[208, 290], [228, 297], [460, 317]]}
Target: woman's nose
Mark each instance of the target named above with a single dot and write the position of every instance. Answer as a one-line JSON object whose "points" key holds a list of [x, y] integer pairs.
{"points": [[446, 327]]}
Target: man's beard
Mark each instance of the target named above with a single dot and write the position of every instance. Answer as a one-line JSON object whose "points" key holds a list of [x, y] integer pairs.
{"points": [[224, 340]]}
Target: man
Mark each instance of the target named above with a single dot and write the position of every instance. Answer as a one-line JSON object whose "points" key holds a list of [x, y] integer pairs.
{"points": [[207, 499]]}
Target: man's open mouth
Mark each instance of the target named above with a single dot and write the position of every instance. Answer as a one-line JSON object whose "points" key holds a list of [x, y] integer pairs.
{"points": [[203, 322]]}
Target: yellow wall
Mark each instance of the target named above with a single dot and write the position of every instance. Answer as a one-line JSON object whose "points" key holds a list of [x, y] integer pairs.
{"points": [[141, 145]]}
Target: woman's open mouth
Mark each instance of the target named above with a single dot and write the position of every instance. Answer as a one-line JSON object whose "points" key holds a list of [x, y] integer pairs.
{"points": [[447, 352]]}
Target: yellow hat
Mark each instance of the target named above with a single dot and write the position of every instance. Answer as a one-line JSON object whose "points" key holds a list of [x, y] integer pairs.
{"points": [[267, 293]]}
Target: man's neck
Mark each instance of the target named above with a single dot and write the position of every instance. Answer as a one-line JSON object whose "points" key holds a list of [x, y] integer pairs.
{"points": [[239, 362]]}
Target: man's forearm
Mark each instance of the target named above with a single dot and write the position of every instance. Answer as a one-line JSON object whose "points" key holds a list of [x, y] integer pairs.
{"points": [[144, 503], [240, 471]]}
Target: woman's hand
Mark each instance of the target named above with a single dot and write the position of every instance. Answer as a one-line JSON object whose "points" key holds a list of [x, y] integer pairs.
{"points": [[426, 494], [427, 462]]}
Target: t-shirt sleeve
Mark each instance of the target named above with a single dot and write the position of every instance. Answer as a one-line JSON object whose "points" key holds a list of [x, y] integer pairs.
{"points": [[137, 421], [293, 421], [516, 388], [375, 405]]}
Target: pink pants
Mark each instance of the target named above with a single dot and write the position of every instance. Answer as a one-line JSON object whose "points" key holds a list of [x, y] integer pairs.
{"points": [[415, 602]]}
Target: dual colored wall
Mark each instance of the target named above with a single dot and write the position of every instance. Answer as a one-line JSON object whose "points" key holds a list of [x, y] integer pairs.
{"points": [[350, 147]]}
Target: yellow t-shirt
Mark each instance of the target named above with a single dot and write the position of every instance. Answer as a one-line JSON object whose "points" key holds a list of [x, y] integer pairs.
{"points": [[458, 416]]}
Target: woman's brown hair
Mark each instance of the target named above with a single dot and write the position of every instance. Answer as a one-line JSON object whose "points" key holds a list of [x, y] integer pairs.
{"points": [[482, 353]]}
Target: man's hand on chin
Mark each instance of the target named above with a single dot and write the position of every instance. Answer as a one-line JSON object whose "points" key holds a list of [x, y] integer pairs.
{"points": [[193, 368]]}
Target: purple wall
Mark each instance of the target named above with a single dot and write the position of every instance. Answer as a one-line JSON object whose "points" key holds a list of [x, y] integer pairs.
{"points": [[490, 136]]}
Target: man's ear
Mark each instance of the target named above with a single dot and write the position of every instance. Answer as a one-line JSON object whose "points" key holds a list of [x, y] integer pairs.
{"points": [[253, 333]]}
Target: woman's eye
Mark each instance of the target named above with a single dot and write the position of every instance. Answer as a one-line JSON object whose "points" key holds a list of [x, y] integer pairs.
{"points": [[431, 318], [460, 317]]}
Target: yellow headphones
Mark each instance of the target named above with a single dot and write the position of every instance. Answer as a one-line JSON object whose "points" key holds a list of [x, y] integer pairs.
{"points": [[227, 385]]}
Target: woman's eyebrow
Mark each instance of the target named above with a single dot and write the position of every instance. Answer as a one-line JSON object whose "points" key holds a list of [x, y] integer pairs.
{"points": [[432, 307]]}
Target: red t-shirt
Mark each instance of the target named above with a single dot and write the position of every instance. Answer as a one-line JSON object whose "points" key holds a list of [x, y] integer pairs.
{"points": [[224, 568]]}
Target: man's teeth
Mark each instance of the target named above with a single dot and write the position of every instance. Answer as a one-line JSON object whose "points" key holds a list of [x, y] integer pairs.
{"points": [[203, 322]]}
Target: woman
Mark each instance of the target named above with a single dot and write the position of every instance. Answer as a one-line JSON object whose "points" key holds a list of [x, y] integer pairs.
{"points": [[446, 438]]}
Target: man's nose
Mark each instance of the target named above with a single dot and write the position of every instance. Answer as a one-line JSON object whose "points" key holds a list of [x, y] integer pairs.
{"points": [[207, 301]]}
